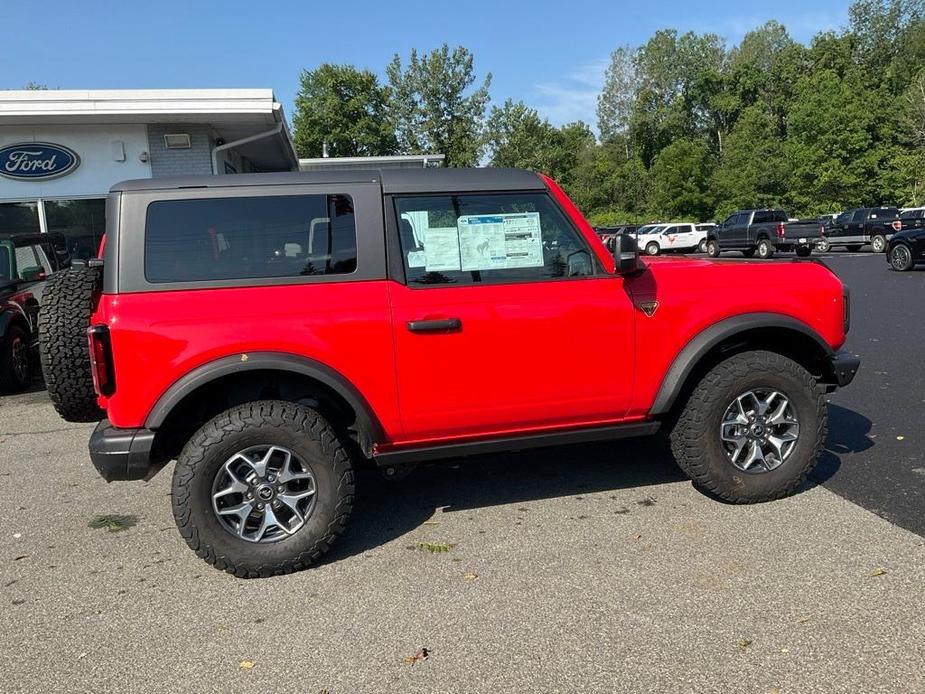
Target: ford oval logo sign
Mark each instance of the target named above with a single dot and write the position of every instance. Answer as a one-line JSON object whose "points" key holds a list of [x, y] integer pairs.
{"points": [[37, 160]]}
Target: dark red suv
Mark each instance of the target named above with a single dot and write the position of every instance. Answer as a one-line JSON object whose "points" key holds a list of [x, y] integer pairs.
{"points": [[269, 331]]}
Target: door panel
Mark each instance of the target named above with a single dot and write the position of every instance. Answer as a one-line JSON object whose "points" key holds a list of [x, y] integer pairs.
{"points": [[519, 358]]}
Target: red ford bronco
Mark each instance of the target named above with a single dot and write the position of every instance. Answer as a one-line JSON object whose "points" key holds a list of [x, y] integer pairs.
{"points": [[269, 331]]}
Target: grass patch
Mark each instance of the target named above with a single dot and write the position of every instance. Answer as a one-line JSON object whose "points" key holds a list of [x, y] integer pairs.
{"points": [[114, 523], [435, 547]]}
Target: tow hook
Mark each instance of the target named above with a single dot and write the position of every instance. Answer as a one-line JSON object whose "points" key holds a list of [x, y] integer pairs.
{"points": [[397, 471]]}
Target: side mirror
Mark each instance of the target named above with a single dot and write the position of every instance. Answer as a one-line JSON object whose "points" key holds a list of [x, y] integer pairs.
{"points": [[32, 274], [626, 254]]}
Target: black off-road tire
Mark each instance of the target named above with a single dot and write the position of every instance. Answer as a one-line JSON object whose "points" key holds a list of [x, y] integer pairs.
{"points": [[765, 249], [15, 347], [695, 439], [713, 249], [68, 301], [803, 251], [301, 430]]}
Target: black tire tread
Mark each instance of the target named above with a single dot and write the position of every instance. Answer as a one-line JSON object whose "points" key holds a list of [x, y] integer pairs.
{"points": [[686, 437], [260, 413], [68, 301]]}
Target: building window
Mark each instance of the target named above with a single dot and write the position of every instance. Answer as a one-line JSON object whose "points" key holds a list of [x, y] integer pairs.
{"points": [[81, 221], [19, 218]]}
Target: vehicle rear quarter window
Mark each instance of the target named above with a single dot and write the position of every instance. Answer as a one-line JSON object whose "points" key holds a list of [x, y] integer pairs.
{"points": [[884, 213], [249, 238], [488, 238], [763, 216]]}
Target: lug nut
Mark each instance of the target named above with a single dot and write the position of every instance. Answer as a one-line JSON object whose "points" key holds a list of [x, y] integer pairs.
{"points": [[250, 496], [272, 478], [260, 507], [279, 488]]}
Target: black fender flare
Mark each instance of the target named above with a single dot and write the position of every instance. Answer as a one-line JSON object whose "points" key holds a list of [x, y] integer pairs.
{"points": [[687, 359], [13, 316], [367, 424]]}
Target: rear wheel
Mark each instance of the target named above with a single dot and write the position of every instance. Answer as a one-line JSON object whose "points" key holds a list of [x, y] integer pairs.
{"points": [[263, 489], [765, 249], [15, 361], [68, 300], [752, 429], [702, 246], [823, 246], [652, 248], [804, 251], [878, 243], [713, 248], [901, 258]]}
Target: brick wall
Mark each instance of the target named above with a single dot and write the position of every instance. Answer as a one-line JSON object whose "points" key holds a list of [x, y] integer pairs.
{"points": [[180, 162]]}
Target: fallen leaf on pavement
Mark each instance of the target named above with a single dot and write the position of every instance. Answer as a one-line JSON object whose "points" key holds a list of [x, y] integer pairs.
{"points": [[435, 547], [900, 438], [417, 657], [803, 620], [471, 576], [878, 572], [247, 664], [742, 644]]}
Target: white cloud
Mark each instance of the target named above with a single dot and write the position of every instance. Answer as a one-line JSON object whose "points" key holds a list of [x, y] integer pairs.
{"points": [[574, 97]]}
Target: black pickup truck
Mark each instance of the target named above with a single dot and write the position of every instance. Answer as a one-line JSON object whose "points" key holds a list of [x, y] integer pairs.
{"points": [[762, 233], [859, 226]]}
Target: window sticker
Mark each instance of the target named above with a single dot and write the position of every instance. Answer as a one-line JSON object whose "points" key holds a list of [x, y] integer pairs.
{"points": [[500, 241], [417, 259], [441, 249]]}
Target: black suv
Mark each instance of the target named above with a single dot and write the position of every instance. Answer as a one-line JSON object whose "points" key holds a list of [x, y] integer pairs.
{"points": [[906, 248], [26, 261]]}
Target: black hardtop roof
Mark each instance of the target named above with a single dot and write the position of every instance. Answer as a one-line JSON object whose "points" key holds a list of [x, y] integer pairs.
{"points": [[431, 180]]}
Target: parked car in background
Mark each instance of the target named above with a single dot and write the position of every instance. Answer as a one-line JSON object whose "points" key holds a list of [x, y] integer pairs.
{"points": [[677, 236], [762, 233], [906, 248], [608, 235], [858, 226], [26, 262], [706, 226]]}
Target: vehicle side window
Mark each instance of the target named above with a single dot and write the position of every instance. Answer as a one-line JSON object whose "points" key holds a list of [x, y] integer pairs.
{"points": [[26, 262], [249, 238], [484, 238], [860, 215], [730, 220], [843, 218], [6, 270], [780, 216], [763, 217]]}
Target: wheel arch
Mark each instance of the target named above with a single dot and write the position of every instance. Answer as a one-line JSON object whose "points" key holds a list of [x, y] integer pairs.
{"points": [[239, 378], [12, 317], [769, 331]]}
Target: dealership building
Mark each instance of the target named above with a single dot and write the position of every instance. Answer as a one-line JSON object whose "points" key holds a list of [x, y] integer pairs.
{"points": [[61, 150]]}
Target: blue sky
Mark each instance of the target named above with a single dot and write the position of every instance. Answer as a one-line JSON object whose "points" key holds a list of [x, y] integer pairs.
{"points": [[551, 55]]}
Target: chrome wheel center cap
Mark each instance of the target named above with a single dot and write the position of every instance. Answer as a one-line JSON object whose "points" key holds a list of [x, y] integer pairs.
{"points": [[265, 492]]}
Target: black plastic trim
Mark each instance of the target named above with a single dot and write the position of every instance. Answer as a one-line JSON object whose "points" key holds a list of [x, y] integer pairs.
{"points": [[121, 454], [516, 443], [844, 367], [706, 340], [367, 424]]}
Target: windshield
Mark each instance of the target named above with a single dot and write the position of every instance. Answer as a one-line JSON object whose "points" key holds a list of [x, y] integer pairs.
{"points": [[912, 214], [650, 229]]}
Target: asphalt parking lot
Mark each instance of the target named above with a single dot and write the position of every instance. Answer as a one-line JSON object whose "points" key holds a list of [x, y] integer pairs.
{"points": [[589, 568]]}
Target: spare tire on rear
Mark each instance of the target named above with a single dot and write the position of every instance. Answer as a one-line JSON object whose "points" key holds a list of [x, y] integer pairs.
{"points": [[68, 301]]}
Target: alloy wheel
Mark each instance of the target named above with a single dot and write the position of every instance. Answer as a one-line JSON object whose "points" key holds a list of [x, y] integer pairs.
{"points": [[759, 430], [19, 356], [900, 258], [263, 494], [877, 244]]}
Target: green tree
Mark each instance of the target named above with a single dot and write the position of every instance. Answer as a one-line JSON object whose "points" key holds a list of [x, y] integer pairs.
{"points": [[344, 107], [616, 100], [432, 108], [680, 180]]}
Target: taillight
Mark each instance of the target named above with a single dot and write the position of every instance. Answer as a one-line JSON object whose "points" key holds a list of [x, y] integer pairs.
{"points": [[104, 377], [897, 225], [780, 230]]}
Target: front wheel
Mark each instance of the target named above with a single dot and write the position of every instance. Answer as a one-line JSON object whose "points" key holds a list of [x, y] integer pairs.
{"points": [[823, 246], [713, 248], [263, 489], [901, 258], [652, 248], [804, 251], [702, 246], [878, 243], [752, 429], [765, 249]]}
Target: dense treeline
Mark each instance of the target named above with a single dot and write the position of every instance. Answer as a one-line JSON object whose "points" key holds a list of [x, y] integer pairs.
{"points": [[689, 128]]}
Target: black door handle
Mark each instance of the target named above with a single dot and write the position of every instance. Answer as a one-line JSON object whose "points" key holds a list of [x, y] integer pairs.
{"points": [[432, 326]]}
